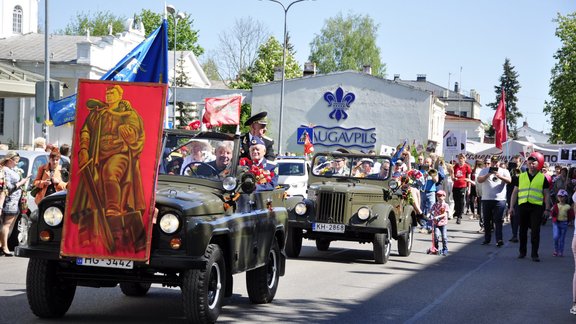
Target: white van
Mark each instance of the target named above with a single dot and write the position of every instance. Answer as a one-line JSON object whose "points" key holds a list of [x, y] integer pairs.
{"points": [[293, 171]]}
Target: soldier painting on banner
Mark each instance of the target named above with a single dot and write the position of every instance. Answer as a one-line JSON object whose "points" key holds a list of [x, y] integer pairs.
{"points": [[111, 192]]}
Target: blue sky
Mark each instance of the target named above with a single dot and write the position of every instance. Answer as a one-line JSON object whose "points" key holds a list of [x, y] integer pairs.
{"points": [[448, 40]]}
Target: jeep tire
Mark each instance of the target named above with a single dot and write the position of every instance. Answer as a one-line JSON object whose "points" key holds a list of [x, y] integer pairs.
{"points": [[294, 242], [48, 295], [405, 242], [135, 289], [322, 244], [262, 282], [203, 290], [382, 246]]}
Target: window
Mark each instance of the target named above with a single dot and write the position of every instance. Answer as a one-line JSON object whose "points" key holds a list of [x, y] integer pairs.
{"points": [[463, 114], [1, 116], [17, 20]]}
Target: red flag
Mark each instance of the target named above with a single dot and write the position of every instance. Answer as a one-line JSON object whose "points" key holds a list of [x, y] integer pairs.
{"points": [[308, 146], [222, 111], [499, 122]]}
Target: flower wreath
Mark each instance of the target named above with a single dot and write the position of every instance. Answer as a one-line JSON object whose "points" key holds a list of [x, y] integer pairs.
{"points": [[262, 175]]}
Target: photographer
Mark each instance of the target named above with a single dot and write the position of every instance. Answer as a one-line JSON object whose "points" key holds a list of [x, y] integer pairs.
{"points": [[493, 180], [49, 177]]}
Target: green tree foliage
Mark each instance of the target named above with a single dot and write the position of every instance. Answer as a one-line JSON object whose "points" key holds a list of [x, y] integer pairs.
{"points": [[508, 82], [562, 106], [97, 23], [211, 69], [347, 43], [268, 58], [185, 110], [187, 38]]}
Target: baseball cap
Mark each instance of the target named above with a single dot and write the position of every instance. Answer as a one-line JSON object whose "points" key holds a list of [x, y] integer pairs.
{"points": [[562, 193]]}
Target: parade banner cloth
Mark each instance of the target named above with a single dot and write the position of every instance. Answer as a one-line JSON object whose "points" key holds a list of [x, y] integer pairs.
{"points": [[222, 111], [116, 150], [147, 62]]}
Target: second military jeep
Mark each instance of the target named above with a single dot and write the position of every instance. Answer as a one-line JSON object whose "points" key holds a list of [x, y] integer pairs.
{"points": [[352, 197]]}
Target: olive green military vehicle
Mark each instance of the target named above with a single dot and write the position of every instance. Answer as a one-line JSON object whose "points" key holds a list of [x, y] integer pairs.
{"points": [[210, 225], [352, 197]]}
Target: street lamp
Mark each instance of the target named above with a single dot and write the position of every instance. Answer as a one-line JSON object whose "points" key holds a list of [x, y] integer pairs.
{"points": [[286, 8], [175, 15]]}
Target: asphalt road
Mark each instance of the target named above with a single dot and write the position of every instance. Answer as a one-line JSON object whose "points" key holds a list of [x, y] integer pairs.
{"points": [[473, 284]]}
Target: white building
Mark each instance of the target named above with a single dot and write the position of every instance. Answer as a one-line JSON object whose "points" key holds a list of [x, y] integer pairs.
{"points": [[71, 58], [350, 109]]}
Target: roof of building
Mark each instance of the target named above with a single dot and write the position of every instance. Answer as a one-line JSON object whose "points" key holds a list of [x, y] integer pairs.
{"points": [[30, 47], [439, 91], [526, 133]]}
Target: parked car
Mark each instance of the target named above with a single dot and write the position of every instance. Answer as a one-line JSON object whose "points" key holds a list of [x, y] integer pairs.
{"points": [[293, 172], [348, 200], [29, 163], [209, 226]]}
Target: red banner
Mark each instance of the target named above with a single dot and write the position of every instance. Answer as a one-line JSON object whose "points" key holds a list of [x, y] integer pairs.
{"points": [[499, 122], [111, 193], [308, 146], [222, 111]]}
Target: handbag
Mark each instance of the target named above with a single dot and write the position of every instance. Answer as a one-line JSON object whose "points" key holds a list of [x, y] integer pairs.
{"points": [[34, 191]]}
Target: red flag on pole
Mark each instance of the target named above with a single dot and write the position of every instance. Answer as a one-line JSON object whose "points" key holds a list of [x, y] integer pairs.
{"points": [[222, 111], [499, 122], [308, 146]]}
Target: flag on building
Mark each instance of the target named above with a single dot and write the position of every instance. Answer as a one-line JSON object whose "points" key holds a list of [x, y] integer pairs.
{"points": [[308, 146], [222, 111], [499, 122], [147, 62]]}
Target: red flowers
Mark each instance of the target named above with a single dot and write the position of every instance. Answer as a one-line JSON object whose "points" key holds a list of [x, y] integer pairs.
{"points": [[262, 176]]}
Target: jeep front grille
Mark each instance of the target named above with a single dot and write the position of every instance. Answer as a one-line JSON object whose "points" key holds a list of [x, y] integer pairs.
{"points": [[331, 206]]}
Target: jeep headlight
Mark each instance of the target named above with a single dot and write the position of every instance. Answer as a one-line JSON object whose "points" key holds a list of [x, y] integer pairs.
{"points": [[393, 184], [169, 223], [53, 216], [363, 213], [229, 183], [300, 209]]}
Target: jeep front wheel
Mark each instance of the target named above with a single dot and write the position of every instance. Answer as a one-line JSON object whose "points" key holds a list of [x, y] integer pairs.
{"points": [[322, 244], [203, 290], [382, 246], [405, 242], [48, 295], [262, 282], [134, 289], [294, 242]]}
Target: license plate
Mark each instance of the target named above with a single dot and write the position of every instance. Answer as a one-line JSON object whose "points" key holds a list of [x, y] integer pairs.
{"points": [[105, 263], [332, 228]]}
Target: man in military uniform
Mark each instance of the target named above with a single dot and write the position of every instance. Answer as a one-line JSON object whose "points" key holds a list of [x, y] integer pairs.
{"points": [[257, 155], [257, 125]]}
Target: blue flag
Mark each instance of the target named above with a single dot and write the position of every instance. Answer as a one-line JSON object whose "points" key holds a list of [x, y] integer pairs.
{"points": [[147, 62]]}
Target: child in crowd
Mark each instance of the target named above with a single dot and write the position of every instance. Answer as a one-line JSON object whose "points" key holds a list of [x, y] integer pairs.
{"points": [[440, 212], [561, 214]]}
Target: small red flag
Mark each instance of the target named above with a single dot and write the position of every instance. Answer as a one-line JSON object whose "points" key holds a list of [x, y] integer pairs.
{"points": [[308, 146], [222, 111], [499, 122]]}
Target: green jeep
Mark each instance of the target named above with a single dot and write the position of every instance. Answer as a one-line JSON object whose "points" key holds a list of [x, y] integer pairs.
{"points": [[352, 197], [209, 226]]}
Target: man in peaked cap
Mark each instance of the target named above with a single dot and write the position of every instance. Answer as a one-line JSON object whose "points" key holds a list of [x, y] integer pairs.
{"points": [[257, 125]]}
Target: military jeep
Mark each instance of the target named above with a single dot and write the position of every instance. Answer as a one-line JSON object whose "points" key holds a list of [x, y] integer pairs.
{"points": [[352, 197], [209, 226]]}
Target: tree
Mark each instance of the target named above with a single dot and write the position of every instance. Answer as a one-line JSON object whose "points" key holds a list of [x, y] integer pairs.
{"points": [[185, 110], [347, 44], [562, 106], [269, 57], [187, 38], [98, 24], [211, 69], [237, 48], [508, 82]]}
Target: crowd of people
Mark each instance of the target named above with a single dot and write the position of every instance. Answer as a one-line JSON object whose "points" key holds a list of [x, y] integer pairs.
{"points": [[50, 177]]}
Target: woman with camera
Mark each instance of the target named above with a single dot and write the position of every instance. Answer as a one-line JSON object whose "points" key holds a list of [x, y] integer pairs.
{"points": [[49, 177]]}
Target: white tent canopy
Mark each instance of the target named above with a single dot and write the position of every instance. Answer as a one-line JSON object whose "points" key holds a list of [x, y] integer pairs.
{"points": [[514, 147]]}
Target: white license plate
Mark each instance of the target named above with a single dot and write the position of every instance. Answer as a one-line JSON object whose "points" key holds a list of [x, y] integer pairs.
{"points": [[105, 263], [332, 228]]}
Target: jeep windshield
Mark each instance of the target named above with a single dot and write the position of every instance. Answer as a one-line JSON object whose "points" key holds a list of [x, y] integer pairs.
{"points": [[205, 155], [351, 166]]}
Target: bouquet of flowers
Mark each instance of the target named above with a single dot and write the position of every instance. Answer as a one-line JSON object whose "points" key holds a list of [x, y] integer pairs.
{"points": [[262, 176]]}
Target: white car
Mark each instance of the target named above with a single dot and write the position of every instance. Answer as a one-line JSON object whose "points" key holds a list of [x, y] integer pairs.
{"points": [[293, 171]]}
